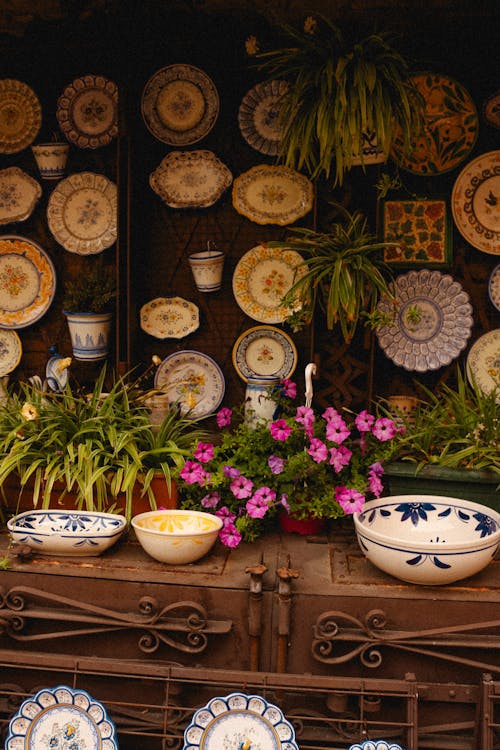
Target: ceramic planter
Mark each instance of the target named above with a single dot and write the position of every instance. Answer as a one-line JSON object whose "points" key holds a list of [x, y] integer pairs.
{"points": [[304, 526], [51, 159], [207, 267], [90, 334]]}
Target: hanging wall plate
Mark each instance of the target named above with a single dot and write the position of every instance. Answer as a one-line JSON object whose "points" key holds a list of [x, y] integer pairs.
{"points": [[87, 111]]}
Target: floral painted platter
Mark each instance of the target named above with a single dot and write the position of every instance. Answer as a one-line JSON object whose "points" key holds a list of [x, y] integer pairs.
{"points": [[10, 351], [87, 111], [61, 717], [475, 202], [190, 179], [169, 317], [239, 722], [20, 115], [431, 321], [258, 116], [491, 110], [193, 380], [82, 213], [272, 195], [483, 362], [264, 351], [180, 104], [262, 277], [450, 128], [27, 282], [19, 194], [494, 287]]}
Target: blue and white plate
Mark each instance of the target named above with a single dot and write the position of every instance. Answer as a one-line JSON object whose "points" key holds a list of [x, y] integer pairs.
{"points": [[193, 380]]}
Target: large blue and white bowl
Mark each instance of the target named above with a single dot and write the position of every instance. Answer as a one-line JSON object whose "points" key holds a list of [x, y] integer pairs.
{"points": [[428, 539], [62, 532]]}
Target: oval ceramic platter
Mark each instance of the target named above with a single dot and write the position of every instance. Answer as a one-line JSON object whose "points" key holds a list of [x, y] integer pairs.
{"points": [[264, 351], [64, 718], [450, 128], [239, 722], [494, 287], [475, 202], [87, 111], [262, 277], [10, 351], [169, 317], [193, 380], [180, 104], [431, 321], [27, 282], [190, 179], [82, 213], [20, 115], [483, 362], [19, 194], [272, 195], [258, 116]]}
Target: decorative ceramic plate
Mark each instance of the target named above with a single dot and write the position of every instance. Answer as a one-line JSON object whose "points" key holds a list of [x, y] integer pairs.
{"points": [[258, 116], [180, 104], [376, 745], [491, 110], [27, 282], [20, 115], [190, 179], [82, 213], [272, 195], [193, 380], [475, 202], [264, 351], [431, 321], [494, 287], [87, 111], [169, 317], [18, 195], [10, 351], [483, 362], [261, 279], [64, 718], [239, 722], [56, 373], [450, 127]]}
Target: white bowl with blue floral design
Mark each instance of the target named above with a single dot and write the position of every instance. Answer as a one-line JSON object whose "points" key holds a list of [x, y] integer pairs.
{"points": [[428, 539], [63, 532]]}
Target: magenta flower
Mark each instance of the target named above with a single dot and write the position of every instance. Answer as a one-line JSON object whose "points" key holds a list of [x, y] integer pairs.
{"points": [[241, 487], [225, 515], [204, 452], [276, 464], [340, 457], [364, 421], [223, 417], [336, 430], [318, 450], [280, 430], [192, 472], [284, 502], [384, 429], [230, 536], [330, 413], [305, 416], [289, 388], [231, 472], [211, 500], [259, 503], [375, 474], [351, 501]]}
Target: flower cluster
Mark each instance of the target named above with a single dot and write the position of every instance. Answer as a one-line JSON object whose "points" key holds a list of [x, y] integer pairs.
{"points": [[307, 464]]}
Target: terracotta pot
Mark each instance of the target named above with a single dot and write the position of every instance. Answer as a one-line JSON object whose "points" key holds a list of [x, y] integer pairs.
{"points": [[304, 526]]}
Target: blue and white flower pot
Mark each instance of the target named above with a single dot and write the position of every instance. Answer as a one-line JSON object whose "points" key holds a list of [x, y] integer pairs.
{"points": [[90, 334]]}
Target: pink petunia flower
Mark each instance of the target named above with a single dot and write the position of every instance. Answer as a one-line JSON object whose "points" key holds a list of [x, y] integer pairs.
{"points": [[289, 388], [223, 417], [276, 464], [211, 500], [259, 503], [231, 472], [384, 429], [318, 450], [230, 536], [225, 515], [192, 472], [284, 502], [336, 430], [305, 416], [241, 487], [375, 474], [340, 457], [280, 430], [350, 500], [330, 413], [204, 452], [364, 421]]}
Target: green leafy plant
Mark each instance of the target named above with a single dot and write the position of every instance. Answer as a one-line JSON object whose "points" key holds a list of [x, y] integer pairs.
{"points": [[92, 291], [340, 88]]}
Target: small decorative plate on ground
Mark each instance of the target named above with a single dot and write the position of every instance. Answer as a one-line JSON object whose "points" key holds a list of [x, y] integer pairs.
{"points": [[258, 116], [87, 111], [18, 195], [431, 321], [169, 317], [494, 287], [180, 104], [264, 351], [450, 128], [27, 282], [190, 179], [10, 351], [475, 202], [491, 110], [239, 722], [483, 362], [193, 380], [82, 213], [261, 279], [20, 115], [272, 195], [64, 718]]}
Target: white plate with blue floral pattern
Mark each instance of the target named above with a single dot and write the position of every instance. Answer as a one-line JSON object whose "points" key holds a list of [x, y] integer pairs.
{"points": [[264, 351], [193, 380], [19, 194], [483, 362], [267, 194], [239, 722]]}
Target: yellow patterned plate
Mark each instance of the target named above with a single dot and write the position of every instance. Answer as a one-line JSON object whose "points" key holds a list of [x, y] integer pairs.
{"points": [[169, 317], [272, 195], [261, 279], [20, 115], [27, 282], [193, 380], [483, 362]]}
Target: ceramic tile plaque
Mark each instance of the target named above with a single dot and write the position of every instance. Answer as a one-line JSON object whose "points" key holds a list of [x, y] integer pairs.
{"points": [[421, 227]]}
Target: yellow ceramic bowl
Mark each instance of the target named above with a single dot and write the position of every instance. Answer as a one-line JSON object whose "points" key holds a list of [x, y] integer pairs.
{"points": [[176, 536]]}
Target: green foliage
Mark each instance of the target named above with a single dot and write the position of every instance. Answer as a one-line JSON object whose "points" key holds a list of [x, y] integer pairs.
{"points": [[92, 291]]}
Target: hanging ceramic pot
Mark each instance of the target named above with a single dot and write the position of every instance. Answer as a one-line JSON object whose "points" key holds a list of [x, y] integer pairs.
{"points": [[207, 267], [51, 159], [260, 405], [90, 334]]}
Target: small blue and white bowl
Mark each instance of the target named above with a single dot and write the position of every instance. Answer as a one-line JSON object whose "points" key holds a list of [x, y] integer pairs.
{"points": [[428, 539], [63, 532]]}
